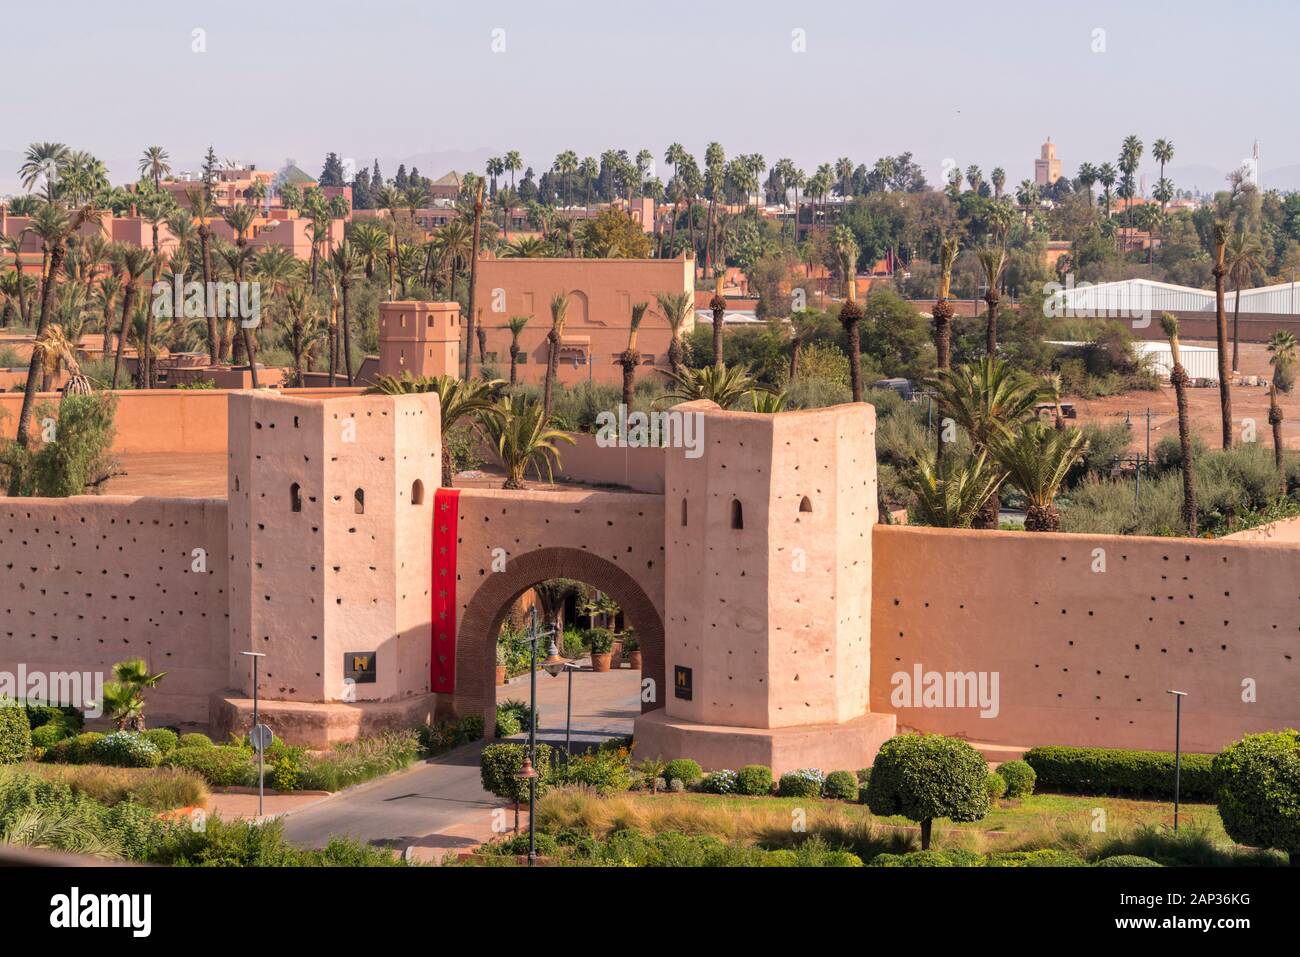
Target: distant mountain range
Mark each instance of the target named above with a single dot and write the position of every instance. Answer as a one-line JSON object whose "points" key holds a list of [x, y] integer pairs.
{"points": [[430, 163]]}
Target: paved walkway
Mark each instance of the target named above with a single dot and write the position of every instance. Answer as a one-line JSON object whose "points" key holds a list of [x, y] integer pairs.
{"points": [[439, 805]]}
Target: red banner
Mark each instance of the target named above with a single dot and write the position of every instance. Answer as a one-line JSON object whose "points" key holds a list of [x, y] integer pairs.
{"points": [[442, 655]]}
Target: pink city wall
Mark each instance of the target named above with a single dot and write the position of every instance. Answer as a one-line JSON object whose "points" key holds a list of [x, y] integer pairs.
{"points": [[87, 582], [1084, 655]]}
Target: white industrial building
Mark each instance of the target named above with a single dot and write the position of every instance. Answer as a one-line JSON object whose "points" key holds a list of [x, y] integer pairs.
{"points": [[1200, 362], [1140, 298]]}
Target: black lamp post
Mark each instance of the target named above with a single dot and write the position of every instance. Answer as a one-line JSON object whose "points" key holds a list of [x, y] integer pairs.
{"points": [[1178, 749], [527, 772], [554, 664]]}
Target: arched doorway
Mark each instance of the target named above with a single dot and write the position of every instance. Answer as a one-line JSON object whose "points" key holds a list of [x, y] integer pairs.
{"points": [[488, 607]]}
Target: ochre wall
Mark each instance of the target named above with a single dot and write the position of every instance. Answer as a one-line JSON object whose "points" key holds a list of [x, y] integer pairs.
{"points": [[162, 420], [1085, 657], [89, 581]]}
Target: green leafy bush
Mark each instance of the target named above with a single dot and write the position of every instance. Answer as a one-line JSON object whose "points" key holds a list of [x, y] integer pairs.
{"points": [[194, 740], [802, 783], [1020, 778], [949, 858], [719, 782], [600, 640], [164, 739], [507, 724], [39, 715], [1044, 857], [607, 771], [996, 786], [500, 764], [125, 749], [448, 733], [221, 766], [754, 780], [924, 777], [1259, 790], [684, 770], [517, 709], [74, 750], [352, 762], [841, 786], [47, 735], [1144, 774], [1128, 860], [15, 733]]}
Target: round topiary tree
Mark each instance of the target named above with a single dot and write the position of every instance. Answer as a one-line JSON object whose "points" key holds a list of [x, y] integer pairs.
{"points": [[923, 777], [1020, 778], [15, 733], [1258, 780]]}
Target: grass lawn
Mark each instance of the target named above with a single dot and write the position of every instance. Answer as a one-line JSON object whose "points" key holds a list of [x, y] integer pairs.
{"points": [[1090, 827]]}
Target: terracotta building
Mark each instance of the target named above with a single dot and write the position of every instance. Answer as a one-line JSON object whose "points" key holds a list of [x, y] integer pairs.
{"points": [[600, 294]]}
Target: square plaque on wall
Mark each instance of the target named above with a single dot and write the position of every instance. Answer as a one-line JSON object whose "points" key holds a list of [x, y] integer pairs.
{"points": [[359, 666], [682, 684]]}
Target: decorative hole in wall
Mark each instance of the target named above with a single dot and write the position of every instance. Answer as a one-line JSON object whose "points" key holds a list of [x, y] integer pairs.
{"points": [[295, 497], [417, 492], [359, 501], [805, 505]]}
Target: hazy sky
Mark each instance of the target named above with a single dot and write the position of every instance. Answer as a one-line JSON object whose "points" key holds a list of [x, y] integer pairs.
{"points": [[978, 83]]}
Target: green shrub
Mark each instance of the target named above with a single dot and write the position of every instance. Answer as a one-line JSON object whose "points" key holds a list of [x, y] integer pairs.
{"points": [[1128, 860], [164, 739], [841, 786], [352, 762], [517, 845], [39, 715], [519, 709], [996, 786], [1259, 791], [1044, 857], [1020, 778], [719, 782], [684, 770], [221, 766], [783, 857], [1143, 774], [48, 735], [194, 740], [500, 764], [125, 749], [74, 750], [923, 777], [803, 783], [507, 724], [471, 727], [605, 771], [599, 640], [950, 858], [15, 733], [754, 780], [285, 774], [448, 733]]}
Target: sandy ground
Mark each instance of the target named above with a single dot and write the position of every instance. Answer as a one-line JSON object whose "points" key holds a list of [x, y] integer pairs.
{"points": [[1248, 402]]}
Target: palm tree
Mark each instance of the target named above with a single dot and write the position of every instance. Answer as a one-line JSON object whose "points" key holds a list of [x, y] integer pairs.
{"points": [[718, 305], [1178, 379], [458, 399], [14, 245], [519, 434], [767, 402], [516, 326], [55, 351], [300, 329], [952, 493], [346, 263], [44, 161], [631, 358], [124, 696], [724, 387], [526, 247], [134, 262], [676, 309], [999, 179], [559, 310], [943, 313], [1037, 459], [201, 209], [154, 166], [851, 314], [1282, 352], [473, 280], [1245, 255], [1106, 175], [993, 261], [1220, 270], [371, 242], [1087, 176], [986, 400], [1163, 151]]}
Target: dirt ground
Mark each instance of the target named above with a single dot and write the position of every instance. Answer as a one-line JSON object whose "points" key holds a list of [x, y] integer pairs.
{"points": [[1248, 402]]}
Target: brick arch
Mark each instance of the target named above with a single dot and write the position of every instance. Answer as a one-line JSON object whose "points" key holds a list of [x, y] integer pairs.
{"points": [[489, 605]]}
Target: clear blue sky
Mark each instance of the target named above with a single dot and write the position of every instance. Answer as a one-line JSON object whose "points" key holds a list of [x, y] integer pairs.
{"points": [[980, 83]]}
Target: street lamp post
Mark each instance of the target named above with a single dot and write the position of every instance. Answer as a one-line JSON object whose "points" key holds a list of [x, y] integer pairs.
{"points": [[554, 664], [1178, 750], [261, 751], [528, 772]]}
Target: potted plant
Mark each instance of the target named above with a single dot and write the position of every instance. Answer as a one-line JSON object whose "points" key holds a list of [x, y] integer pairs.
{"points": [[601, 643], [631, 649], [501, 663]]}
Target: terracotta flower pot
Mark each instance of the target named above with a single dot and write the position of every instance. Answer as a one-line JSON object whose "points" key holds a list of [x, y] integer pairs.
{"points": [[600, 662], [616, 653], [501, 674], [634, 660]]}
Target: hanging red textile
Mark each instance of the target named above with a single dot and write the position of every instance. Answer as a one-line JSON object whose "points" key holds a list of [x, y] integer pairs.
{"points": [[442, 654]]}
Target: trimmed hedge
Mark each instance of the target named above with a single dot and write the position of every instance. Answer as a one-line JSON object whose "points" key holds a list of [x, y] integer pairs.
{"points": [[74, 750], [754, 780], [222, 765], [996, 785], [1020, 778], [164, 739], [841, 786], [802, 783], [1259, 791], [500, 765], [1116, 771], [1128, 860], [15, 733], [125, 749], [684, 770], [194, 740], [39, 715]]}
